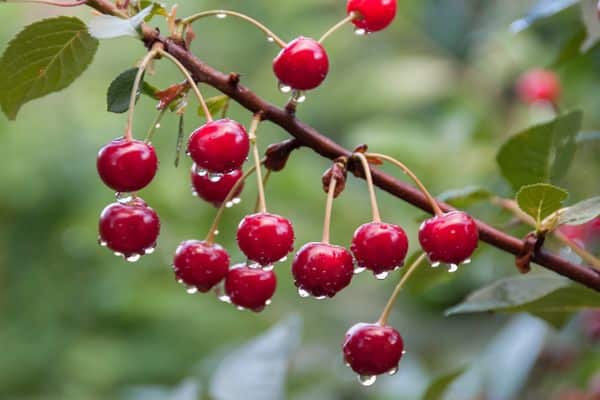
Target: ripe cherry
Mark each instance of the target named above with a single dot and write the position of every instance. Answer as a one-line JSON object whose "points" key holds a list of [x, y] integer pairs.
{"points": [[372, 349], [129, 228], [539, 85], [265, 238], [449, 238], [374, 15], [302, 65], [215, 190], [322, 269], [200, 265], [379, 247], [219, 146], [250, 288], [127, 165]]}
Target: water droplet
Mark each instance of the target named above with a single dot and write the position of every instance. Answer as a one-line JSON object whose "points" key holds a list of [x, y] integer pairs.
{"points": [[298, 96], [123, 198], [102, 243], [254, 265], [149, 250], [180, 281], [268, 267], [453, 268], [303, 293], [358, 270], [268, 302], [216, 232], [133, 258], [382, 275], [157, 125], [360, 32], [403, 352], [215, 177], [200, 171], [284, 259], [320, 297], [221, 15], [467, 261], [367, 380], [240, 308], [236, 200], [347, 364], [393, 371], [192, 290], [229, 204], [270, 39], [283, 88], [224, 298], [435, 264]]}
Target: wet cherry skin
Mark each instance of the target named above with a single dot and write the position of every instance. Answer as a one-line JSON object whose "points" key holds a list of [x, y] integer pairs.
{"points": [[249, 287], [215, 191], [200, 264], [379, 247], [219, 146], [127, 165], [302, 65], [539, 85], [449, 238], [322, 269], [265, 238], [372, 349], [374, 15]]}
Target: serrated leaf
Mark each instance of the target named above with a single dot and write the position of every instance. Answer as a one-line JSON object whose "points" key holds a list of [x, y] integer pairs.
{"points": [[440, 385], [542, 153], [542, 9], [119, 91], [580, 213], [541, 200], [109, 27], [43, 58], [465, 197], [215, 105], [589, 16]]}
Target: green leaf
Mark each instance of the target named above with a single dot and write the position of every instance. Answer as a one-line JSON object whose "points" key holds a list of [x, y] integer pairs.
{"points": [[440, 385], [43, 58], [580, 213], [215, 105], [548, 297], [542, 153], [542, 9], [541, 200], [465, 197], [119, 91]]}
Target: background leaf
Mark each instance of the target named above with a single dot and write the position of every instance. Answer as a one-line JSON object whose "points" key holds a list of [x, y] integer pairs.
{"points": [[542, 153], [215, 105], [581, 212], [542, 9], [465, 197], [440, 385], [119, 91], [541, 200], [45, 57]]}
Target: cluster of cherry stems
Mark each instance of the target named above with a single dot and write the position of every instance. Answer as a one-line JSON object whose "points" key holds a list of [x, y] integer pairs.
{"points": [[130, 228]]}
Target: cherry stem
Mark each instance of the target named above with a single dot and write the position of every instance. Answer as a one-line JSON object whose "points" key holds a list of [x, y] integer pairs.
{"points": [[434, 205], [328, 207], [337, 26], [369, 178], [155, 124], [262, 204], [210, 237], [48, 2], [210, 13], [390, 304], [192, 83], [136, 87], [265, 180]]}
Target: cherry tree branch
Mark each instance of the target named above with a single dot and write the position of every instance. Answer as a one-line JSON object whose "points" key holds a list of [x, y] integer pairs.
{"points": [[324, 146]]}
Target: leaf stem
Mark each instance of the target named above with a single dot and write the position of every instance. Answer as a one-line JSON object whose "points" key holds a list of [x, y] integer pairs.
{"points": [[262, 27], [434, 205], [390, 304], [369, 178], [136, 87], [328, 207], [262, 204], [337, 26], [154, 126]]}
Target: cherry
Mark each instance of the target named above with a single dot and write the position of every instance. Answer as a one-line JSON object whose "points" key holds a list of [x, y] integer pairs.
{"points": [[213, 190], [265, 238], [129, 228], [219, 146], [322, 269], [449, 238], [249, 287], [302, 65], [372, 349], [379, 247], [374, 15], [539, 85], [127, 165], [200, 265]]}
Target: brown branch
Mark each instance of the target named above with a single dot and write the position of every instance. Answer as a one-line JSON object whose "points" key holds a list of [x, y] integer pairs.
{"points": [[321, 144]]}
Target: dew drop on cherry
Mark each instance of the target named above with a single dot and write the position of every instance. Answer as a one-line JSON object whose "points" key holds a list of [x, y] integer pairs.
{"points": [[367, 380]]}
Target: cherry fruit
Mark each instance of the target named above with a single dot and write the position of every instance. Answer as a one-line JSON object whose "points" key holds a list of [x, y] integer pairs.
{"points": [[371, 350], [130, 229], [379, 247], [265, 238], [127, 165], [250, 288], [215, 189], [322, 269], [200, 265], [373, 15], [539, 85], [302, 65], [449, 238], [219, 146]]}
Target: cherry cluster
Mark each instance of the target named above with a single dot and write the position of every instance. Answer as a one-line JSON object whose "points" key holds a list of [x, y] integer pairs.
{"points": [[218, 149]]}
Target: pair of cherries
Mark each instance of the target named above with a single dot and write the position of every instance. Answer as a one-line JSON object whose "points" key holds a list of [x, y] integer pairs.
{"points": [[303, 64]]}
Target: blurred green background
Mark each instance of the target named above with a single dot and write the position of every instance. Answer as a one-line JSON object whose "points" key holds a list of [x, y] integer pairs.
{"points": [[434, 90]]}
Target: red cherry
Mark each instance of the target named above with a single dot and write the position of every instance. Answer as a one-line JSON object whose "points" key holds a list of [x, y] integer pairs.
{"points": [[449, 238], [249, 287], [215, 189], [219, 146], [372, 349], [200, 265], [265, 238], [129, 229], [374, 15], [379, 247], [302, 65], [539, 85], [322, 269], [127, 165]]}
